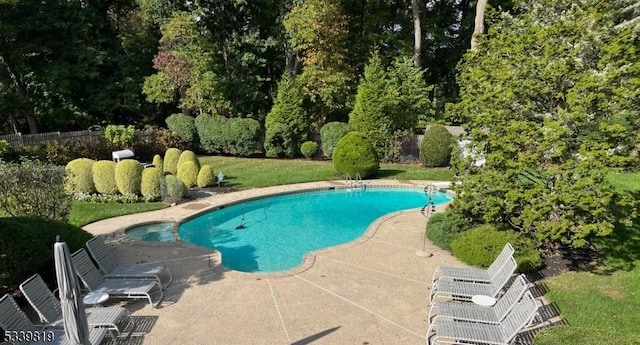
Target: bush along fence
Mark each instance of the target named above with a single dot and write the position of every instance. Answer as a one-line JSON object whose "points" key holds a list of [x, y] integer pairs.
{"points": [[20, 140]]}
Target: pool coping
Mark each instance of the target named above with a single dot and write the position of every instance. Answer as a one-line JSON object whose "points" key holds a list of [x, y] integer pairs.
{"points": [[260, 193]]}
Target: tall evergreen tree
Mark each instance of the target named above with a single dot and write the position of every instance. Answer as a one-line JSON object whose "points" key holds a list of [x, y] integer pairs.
{"points": [[374, 105], [287, 124]]}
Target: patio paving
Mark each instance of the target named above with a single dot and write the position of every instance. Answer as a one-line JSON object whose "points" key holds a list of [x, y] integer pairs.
{"points": [[372, 291]]}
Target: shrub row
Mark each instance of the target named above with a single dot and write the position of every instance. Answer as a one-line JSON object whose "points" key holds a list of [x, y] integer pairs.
{"points": [[235, 136], [127, 177]]}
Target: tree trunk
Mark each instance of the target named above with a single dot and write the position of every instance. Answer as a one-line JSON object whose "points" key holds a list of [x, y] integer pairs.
{"points": [[20, 89], [417, 33], [478, 28]]}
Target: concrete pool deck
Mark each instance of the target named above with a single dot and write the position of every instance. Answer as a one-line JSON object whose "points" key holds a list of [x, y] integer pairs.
{"points": [[372, 291]]}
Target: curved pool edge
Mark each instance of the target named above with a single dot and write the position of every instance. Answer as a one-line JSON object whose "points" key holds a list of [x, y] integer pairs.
{"points": [[116, 227]]}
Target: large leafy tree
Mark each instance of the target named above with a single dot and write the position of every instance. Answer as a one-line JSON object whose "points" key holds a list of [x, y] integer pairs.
{"points": [[318, 33], [59, 65], [547, 105], [185, 69]]}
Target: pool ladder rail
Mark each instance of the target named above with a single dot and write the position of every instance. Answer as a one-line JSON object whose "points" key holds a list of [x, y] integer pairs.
{"points": [[355, 183]]}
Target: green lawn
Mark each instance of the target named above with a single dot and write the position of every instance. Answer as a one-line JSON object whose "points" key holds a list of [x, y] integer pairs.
{"points": [[244, 173], [601, 306], [83, 213]]}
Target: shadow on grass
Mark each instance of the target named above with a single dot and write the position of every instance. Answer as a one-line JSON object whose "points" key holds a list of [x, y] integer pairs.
{"points": [[620, 251]]}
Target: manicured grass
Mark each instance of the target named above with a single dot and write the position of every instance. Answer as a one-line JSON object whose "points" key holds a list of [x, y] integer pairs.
{"points": [[625, 180], [244, 173], [601, 306], [83, 213]]}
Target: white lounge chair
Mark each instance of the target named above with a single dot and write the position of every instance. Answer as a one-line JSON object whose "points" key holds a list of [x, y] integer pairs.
{"points": [[116, 288], [49, 310], [13, 319], [475, 274], [466, 289], [109, 266], [455, 332], [477, 313]]}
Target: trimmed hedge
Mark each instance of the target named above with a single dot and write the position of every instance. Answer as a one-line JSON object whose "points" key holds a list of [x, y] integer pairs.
{"points": [[185, 126], [188, 173], [129, 176], [150, 184], [480, 246], [104, 177], [330, 134], [173, 188], [206, 176], [26, 244], [187, 156], [309, 149], [236, 136], [80, 176], [171, 157], [211, 132], [355, 155], [243, 136], [435, 148], [158, 162]]}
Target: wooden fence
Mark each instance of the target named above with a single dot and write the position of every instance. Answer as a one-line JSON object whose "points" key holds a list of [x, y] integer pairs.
{"points": [[19, 140]]}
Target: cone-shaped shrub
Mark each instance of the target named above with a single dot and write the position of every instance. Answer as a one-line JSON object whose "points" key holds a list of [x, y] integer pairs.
{"points": [[129, 176], [104, 177], [206, 176], [150, 186], [188, 155], [171, 157], [80, 176], [188, 173], [355, 155], [288, 112], [158, 162], [173, 188]]}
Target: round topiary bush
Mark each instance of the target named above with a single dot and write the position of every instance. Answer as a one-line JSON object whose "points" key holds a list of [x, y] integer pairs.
{"points": [[480, 246], [188, 173], [206, 176], [26, 244], [435, 148], [355, 155], [80, 176], [171, 157], [173, 188], [129, 176], [330, 134], [158, 162], [186, 156], [150, 185], [309, 149], [104, 177]]}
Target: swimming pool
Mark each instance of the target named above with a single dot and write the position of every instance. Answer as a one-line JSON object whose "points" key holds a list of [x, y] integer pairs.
{"points": [[275, 233]]}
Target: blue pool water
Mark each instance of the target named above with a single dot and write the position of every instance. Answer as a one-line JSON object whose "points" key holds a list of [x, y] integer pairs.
{"points": [[274, 234]]}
